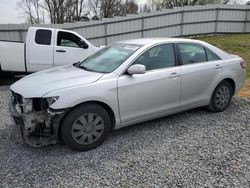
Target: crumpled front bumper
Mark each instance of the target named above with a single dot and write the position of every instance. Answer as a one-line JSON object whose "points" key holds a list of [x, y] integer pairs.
{"points": [[36, 128]]}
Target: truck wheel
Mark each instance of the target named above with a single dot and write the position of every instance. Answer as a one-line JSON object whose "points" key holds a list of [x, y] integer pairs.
{"points": [[221, 97], [86, 127], [6, 74]]}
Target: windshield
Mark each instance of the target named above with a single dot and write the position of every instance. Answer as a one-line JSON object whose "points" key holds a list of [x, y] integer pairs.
{"points": [[108, 59]]}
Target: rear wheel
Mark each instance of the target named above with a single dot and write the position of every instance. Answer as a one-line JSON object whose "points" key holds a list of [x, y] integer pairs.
{"points": [[86, 127], [221, 97]]}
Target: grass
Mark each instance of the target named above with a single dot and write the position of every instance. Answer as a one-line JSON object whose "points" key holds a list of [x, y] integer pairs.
{"points": [[238, 44]]}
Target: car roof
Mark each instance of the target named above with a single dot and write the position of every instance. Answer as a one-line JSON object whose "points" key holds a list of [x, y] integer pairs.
{"points": [[145, 41], [155, 41]]}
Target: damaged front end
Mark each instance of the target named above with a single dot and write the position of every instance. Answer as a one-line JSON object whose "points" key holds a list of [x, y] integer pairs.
{"points": [[35, 121]]}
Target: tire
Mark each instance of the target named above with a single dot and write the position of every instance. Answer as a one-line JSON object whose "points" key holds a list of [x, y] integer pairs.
{"points": [[221, 97], [86, 127], [6, 74]]}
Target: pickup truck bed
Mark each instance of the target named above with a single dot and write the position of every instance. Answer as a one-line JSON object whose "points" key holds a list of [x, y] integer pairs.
{"points": [[12, 54]]}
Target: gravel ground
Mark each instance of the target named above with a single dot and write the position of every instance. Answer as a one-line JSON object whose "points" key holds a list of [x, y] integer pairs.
{"points": [[191, 149]]}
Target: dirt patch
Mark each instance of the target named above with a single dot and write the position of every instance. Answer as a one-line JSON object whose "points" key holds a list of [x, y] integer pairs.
{"points": [[245, 91]]}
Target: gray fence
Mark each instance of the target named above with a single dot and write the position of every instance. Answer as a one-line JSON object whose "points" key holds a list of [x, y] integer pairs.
{"points": [[176, 22]]}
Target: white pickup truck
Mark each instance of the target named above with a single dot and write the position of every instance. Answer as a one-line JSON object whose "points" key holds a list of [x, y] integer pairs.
{"points": [[44, 48]]}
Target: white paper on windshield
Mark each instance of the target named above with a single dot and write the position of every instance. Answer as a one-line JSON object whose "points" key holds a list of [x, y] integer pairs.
{"points": [[131, 47]]}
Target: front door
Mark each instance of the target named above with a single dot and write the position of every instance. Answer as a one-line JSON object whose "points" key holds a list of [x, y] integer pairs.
{"points": [[157, 91], [67, 49]]}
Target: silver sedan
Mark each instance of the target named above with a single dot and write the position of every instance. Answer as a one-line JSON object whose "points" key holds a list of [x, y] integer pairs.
{"points": [[125, 83]]}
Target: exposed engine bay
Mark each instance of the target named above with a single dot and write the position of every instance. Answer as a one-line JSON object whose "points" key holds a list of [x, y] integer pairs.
{"points": [[36, 122]]}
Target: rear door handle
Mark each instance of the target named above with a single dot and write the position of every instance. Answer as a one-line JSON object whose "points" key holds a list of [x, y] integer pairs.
{"points": [[174, 75], [218, 66], [60, 51]]}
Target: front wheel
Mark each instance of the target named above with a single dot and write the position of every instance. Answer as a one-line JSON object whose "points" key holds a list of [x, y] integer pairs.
{"points": [[86, 127], [221, 97]]}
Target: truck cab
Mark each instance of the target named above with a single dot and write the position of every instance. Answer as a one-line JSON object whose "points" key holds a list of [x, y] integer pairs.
{"points": [[44, 48]]}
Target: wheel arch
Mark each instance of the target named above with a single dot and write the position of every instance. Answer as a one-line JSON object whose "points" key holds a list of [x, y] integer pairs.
{"points": [[107, 108], [231, 81], [226, 78], [102, 104]]}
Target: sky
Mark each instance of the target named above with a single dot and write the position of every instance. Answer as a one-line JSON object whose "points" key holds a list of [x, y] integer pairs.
{"points": [[9, 12]]}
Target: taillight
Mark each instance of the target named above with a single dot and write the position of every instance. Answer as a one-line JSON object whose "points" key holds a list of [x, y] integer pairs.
{"points": [[243, 64]]}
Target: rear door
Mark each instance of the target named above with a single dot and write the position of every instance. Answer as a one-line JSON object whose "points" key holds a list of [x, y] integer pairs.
{"points": [[200, 69], [155, 92], [39, 50], [68, 50]]}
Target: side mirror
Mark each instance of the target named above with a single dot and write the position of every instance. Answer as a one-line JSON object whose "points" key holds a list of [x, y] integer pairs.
{"points": [[136, 69], [83, 44]]}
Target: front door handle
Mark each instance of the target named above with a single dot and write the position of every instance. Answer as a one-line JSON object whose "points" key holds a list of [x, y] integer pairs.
{"points": [[218, 66], [174, 75], [60, 51]]}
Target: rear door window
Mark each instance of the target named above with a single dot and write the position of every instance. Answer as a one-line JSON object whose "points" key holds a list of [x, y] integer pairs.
{"points": [[43, 37], [211, 56], [191, 53]]}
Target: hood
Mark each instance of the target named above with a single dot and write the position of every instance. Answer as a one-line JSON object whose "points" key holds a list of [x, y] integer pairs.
{"points": [[40, 83]]}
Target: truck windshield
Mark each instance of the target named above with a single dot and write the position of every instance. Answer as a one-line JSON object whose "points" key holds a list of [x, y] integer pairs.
{"points": [[108, 59]]}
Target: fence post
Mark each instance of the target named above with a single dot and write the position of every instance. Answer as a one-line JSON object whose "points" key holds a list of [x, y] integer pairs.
{"points": [[182, 21], [105, 33], [20, 35], [246, 21], [216, 21], [142, 27]]}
